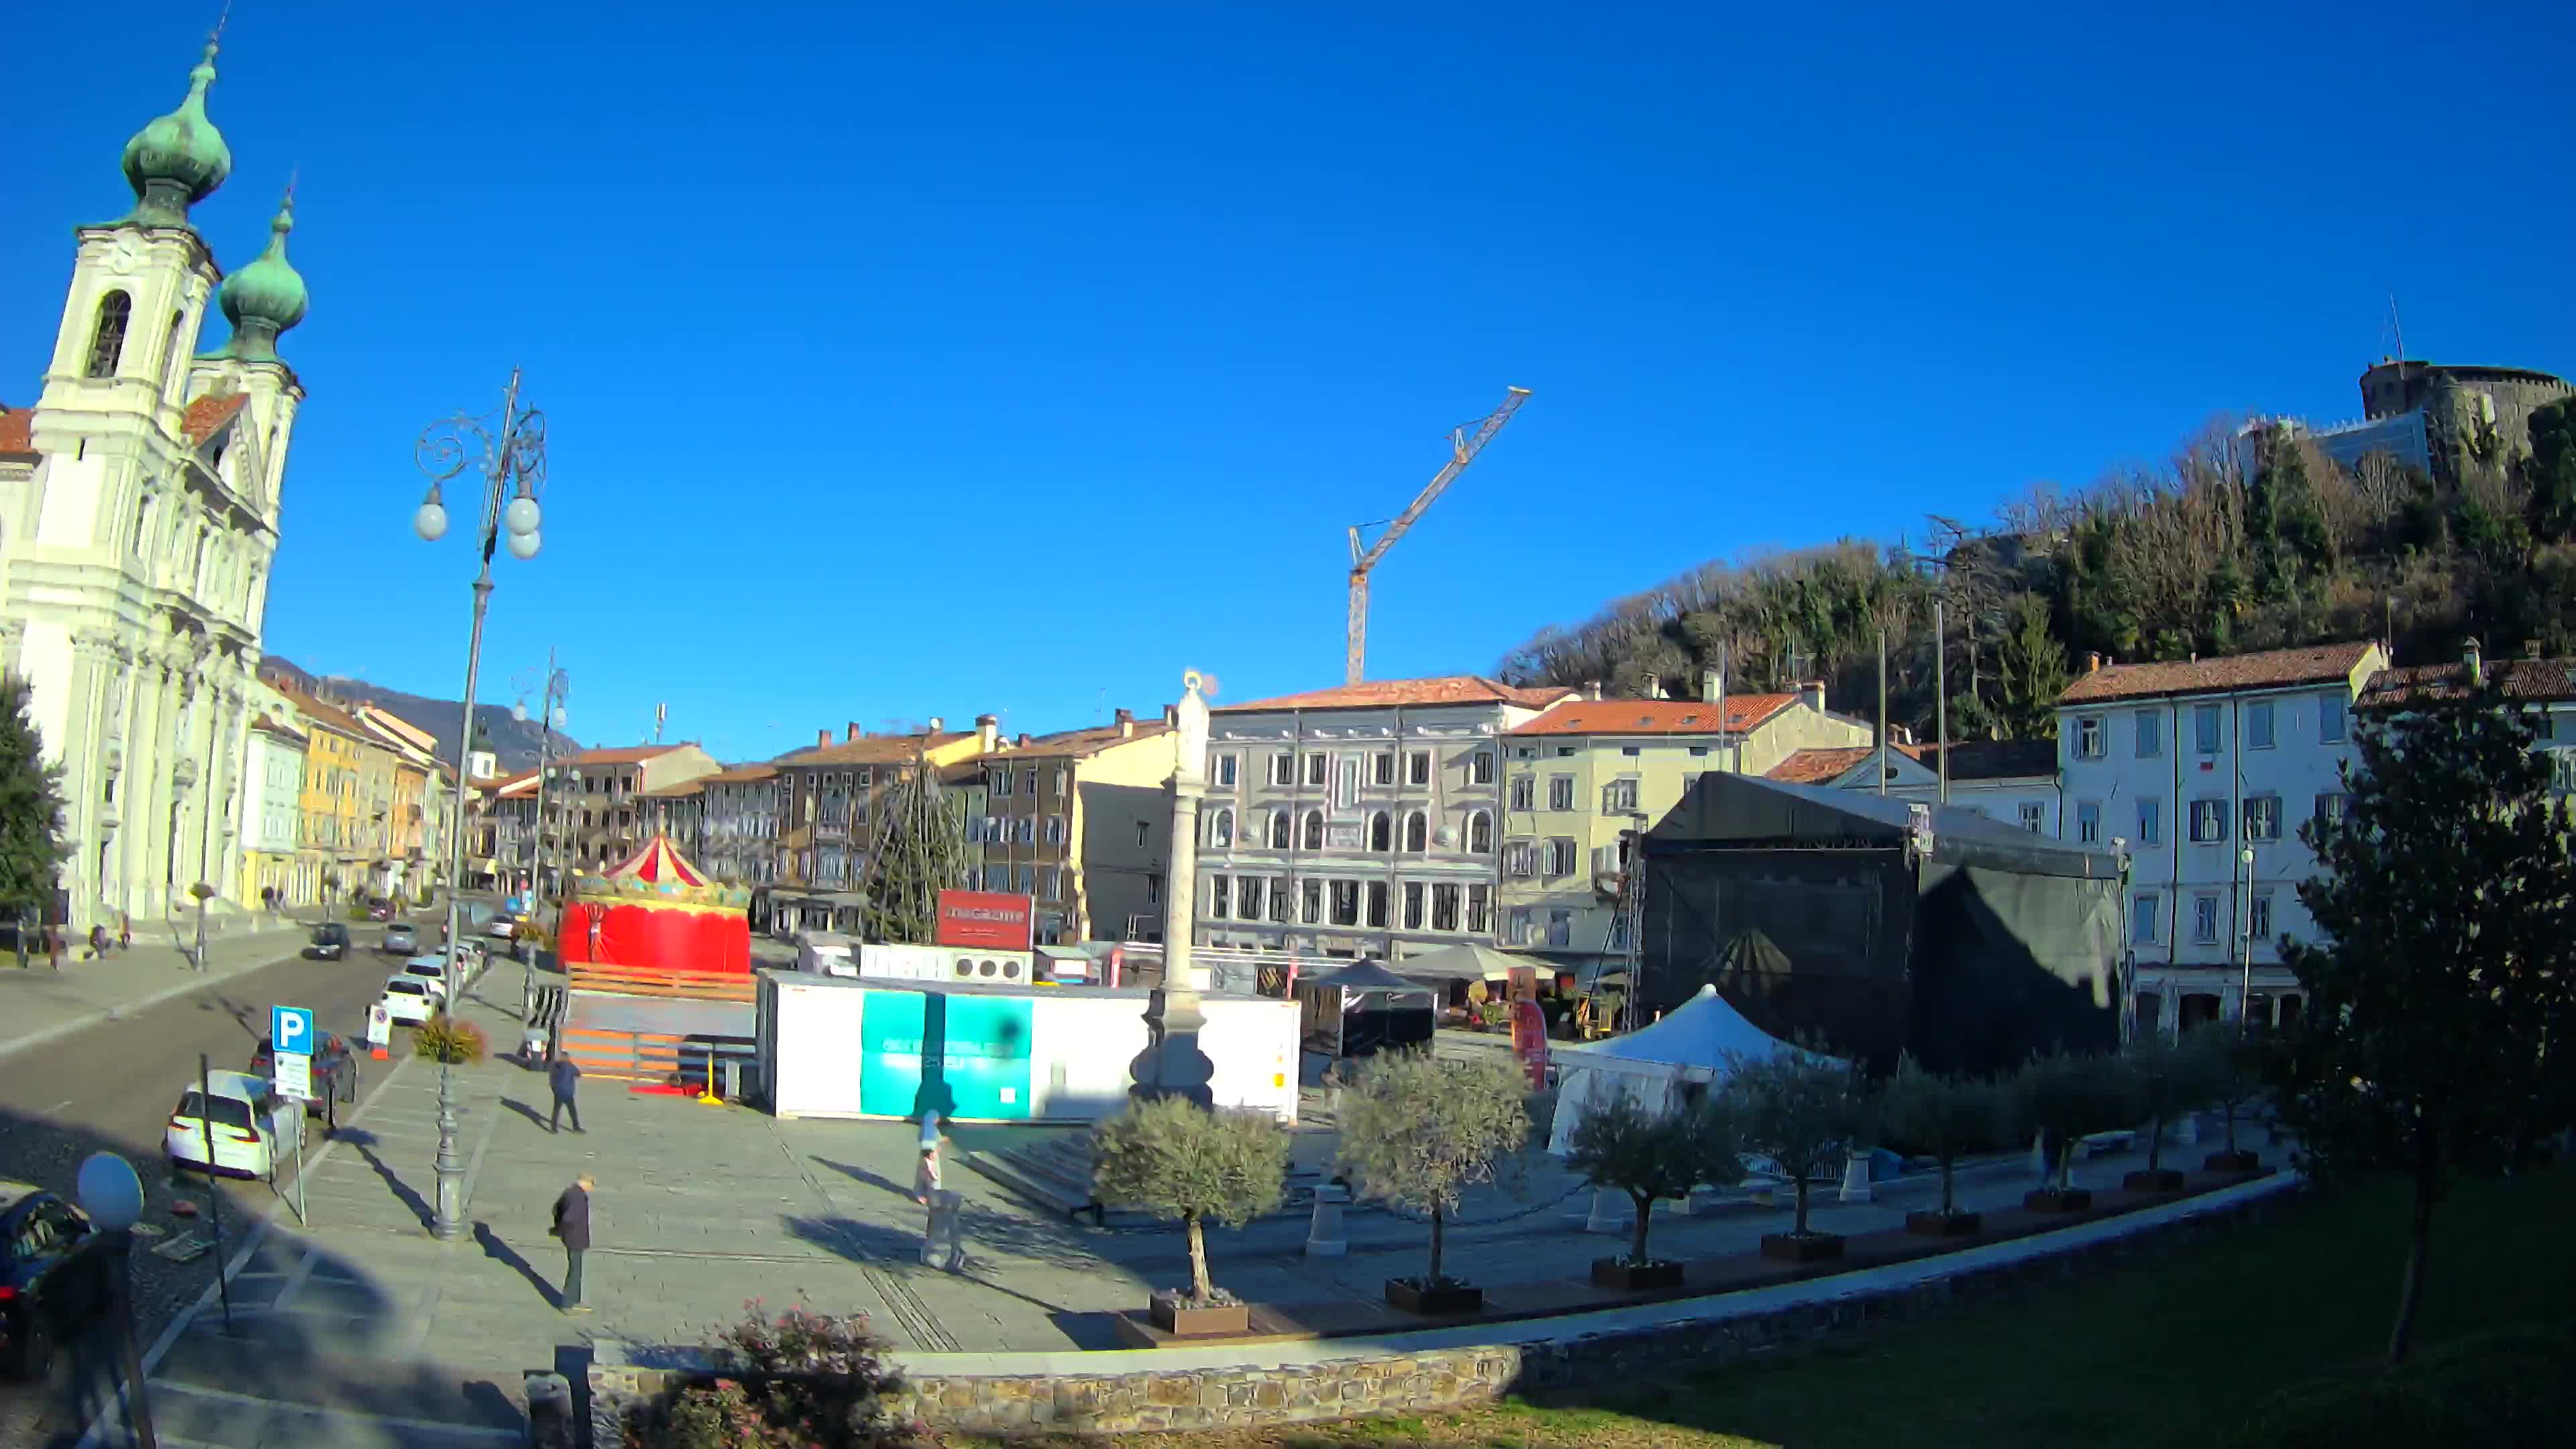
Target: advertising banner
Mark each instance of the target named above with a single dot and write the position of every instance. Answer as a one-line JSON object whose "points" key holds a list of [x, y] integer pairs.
{"points": [[960, 1056], [993, 920], [1529, 1041]]}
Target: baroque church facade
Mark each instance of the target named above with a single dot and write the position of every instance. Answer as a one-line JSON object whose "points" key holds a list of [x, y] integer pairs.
{"points": [[138, 524]]}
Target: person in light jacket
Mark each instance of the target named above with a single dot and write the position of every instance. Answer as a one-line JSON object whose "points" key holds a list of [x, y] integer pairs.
{"points": [[572, 1225]]}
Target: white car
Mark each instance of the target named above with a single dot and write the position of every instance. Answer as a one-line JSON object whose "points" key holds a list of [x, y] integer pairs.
{"points": [[502, 928], [409, 1001], [253, 1126]]}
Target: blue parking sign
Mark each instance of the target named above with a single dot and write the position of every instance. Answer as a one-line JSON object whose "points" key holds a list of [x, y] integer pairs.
{"points": [[290, 1030]]}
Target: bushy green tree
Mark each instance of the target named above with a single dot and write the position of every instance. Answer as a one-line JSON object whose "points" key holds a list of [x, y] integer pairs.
{"points": [[1945, 1118], [1419, 1130], [2068, 1096], [1650, 1155], [1176, 1159], [2438, 1038], [2549, 471], [31, 810], [1804, 1113]]}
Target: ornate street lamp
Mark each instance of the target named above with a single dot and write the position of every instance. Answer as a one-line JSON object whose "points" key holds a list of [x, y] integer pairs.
{"points": [[509, 450]]}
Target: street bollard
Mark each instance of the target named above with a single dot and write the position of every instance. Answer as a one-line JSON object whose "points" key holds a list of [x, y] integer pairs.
{"points": [[1324, 1232], [1609, 1211], [549, 1411], [1856, 1177]]}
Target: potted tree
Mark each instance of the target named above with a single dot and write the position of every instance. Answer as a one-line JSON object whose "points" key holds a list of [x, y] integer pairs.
{"points": [[1419, 1131], [1803, 1112], [2235, 1080], [1176, 1159], [1619, 1144], [2172, 1077], [2066, 1096], [1945, 1118]]}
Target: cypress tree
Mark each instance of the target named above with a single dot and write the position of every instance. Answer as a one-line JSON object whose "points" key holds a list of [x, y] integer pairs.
{"points": [[32, 850]]}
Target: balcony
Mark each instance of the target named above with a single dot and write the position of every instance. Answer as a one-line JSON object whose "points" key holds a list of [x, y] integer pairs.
{"points": [[2562, 769]]}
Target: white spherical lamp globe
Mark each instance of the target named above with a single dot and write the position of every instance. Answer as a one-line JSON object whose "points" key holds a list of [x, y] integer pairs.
{"points": [[521, 516], [430, 522], [523, 545]]}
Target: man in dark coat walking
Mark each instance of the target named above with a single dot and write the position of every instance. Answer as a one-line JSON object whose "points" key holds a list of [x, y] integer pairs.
{"points": [[572, 1225], [564, 1077]]}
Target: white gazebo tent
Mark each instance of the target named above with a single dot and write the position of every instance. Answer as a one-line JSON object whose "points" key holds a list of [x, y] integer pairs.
{"points": [[1658, 1065]]}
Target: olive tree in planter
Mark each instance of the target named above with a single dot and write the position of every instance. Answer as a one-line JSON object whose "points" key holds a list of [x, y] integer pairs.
{"points": [[2235, 1073], [2173, 1077], [1177, 1159], [1945, 1118], [1804, 1113], [1620, 1144], [2066, 1096], [1419, 1131]]}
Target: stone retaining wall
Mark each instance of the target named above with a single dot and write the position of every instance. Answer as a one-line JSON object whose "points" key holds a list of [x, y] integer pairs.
{"points": [[1410, 1383]]}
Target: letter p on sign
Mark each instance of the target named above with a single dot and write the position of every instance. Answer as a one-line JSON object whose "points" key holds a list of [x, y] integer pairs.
{"points": [[290, 1031]]}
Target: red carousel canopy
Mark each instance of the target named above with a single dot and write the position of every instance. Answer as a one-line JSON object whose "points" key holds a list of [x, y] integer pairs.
{"points": [[659, 863]]}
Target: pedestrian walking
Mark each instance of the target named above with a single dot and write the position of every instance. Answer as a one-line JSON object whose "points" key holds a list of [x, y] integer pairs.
{"points": [[97, 942], [124, 932], [572, 1225], [565, 1078], [925, 1177], [54, 945]]}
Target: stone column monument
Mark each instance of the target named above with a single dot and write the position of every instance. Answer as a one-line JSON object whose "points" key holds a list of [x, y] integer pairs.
{"points": [[1172, 1064]]}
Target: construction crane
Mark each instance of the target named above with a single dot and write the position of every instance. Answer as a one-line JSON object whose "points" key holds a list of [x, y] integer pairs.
{"points": [[1463, 448]]}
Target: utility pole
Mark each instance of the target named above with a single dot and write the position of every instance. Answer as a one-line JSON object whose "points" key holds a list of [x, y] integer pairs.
{"points": [[1940, 697], [1882, 709]]}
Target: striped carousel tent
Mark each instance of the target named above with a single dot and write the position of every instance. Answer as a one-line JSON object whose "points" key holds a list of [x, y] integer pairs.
{"points": [[654, 911]]}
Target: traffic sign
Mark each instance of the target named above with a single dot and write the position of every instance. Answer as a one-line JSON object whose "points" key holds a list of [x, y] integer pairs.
{"points": [[290, 1031], [294, 1076]]}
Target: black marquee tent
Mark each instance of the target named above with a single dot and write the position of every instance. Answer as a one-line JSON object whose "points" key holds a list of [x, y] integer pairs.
{"points": [[1363, 1008], [1816, 913]]}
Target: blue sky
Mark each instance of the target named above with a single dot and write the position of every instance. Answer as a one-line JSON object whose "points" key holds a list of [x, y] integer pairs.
{"points": [[934, 360]]}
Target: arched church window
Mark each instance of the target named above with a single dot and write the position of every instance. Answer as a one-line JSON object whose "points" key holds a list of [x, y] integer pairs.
{"points": [[170, 352], [107, 338]]}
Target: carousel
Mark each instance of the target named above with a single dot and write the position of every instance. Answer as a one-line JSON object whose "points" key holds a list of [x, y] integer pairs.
{"points": [[657, 912]]}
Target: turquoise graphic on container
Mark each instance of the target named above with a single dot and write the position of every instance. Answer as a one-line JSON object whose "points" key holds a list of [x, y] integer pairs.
{"points": [[960, 1056]]}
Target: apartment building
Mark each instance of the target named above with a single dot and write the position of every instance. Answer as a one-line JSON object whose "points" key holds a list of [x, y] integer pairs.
{"points": [[274, 867], [1362, 820], [2204, 769], [1082, 822], [2544, 688], [2014, 781], [739, 825], [962, 788], [603, 790], [830, 797], [501, 835], [1580, 780], [347, 797]]}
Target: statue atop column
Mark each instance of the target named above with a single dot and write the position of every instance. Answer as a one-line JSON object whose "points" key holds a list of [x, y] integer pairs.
{"points": [[1172, 1064]]}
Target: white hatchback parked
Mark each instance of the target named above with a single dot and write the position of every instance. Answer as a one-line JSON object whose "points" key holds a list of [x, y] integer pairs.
{"points": [[253, 1127], [409, 1001]]}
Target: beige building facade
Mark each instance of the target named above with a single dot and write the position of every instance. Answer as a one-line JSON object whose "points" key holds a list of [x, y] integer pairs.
{"points": [[1081, 822]]}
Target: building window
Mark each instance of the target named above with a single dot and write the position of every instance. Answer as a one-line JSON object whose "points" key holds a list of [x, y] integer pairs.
{"points": [[1027, 880], [1317, 767], [1560, 792], [1283, 901], [1029, 781], [1562, 857], [1283, 768], [1382, 768], [1248, 898], [1221, 829], [1565, 752], [1524, 792], [1480, 768], [2208, 821], [1055, 830], [1413, 905], [2088, 737], [2205, 722], [1417, 768], [2204, 920], [999, 783], [1221, 769], [1314, 830], [1381, 836], [1516, 858], [1028, 831], [1153, 890], [2034, 816], [2258, 725], [1280, 828], [2088, 821], [2258, 916], [2330, 808], [1311, 893], [1619, 797], [1417, 831], [2151, 734], [107, 335], [1560, 927], [2262, 817], [2151, 822], [1444, 908], [2142, 920], [1346, 783], [1143, 836], [1517, 926], [2330, 719], [1480, 833], [1346, 903], [1377, 904], [1480, 909]]}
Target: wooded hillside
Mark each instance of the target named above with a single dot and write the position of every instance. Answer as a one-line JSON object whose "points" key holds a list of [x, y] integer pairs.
{"points": [[2228, 548]]}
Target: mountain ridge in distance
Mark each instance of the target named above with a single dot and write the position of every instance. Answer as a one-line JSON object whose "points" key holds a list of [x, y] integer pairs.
{"points": [[516, 743]]}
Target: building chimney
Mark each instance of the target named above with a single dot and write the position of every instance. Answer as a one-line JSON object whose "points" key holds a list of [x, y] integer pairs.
{"points": [[1654, 686], [1812, 694], [936, 725], [2531, 649], [2093, 662], [1172, 715], [988, 733], [1712, 686], [854, 732], [2474, 661], [1126, 724], [1023, 740], [822, 738], [1592, 689]]}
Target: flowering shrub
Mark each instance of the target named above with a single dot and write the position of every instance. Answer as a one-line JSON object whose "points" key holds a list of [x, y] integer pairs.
{"points": [[445, 1039], [795, 1380]]}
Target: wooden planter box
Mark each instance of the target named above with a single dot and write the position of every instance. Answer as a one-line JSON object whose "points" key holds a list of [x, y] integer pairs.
{"points": [[1446, 1298], [1176, 1317], [2153, 1179], [1944, 1225], [1613, 1273], [2057, 1200], [1813, 1248], [2232, 1162]]}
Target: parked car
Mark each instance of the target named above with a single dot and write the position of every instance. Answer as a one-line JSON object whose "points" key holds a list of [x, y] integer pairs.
{"points": [[334, 1071], [253, 1127], [429, 971], [409, 1001], [400, 939], [380, 910], [502, 928], [330, 942], [53, 1276]]}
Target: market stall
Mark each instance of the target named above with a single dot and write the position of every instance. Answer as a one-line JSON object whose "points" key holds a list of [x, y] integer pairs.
{"points": [[1363, 1009]]}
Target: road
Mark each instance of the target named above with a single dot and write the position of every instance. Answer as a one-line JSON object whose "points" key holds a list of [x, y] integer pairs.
{"points": [[111, 1088]]}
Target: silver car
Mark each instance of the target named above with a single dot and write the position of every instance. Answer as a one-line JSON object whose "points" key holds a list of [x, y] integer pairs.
{"points": [[400, 939]]}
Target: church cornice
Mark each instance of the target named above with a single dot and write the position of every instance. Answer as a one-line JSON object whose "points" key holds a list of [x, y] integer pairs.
{"points": [[201, 257]]}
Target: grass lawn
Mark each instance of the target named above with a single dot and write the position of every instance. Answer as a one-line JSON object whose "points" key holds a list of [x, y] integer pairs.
{"points": [[2159, 1351]]}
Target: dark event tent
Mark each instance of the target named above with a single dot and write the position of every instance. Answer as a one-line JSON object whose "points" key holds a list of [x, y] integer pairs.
{"points": [[1364, 1008], [1818, 914]]}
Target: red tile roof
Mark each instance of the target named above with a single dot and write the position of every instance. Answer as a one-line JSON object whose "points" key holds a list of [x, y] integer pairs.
{"points": [[870, 750], [2271, 669], [207, 415], [1391, 693], [2534, 680], [1077, 744], [680, 791], [329, 716], [17, 430], [743, 775], [1655, 716], [283, 731], [1823, 767], [627, 755]]}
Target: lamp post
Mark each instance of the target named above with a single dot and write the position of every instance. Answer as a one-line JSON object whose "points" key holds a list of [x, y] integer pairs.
{"points": [[2245, 944], [510, 451]]}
